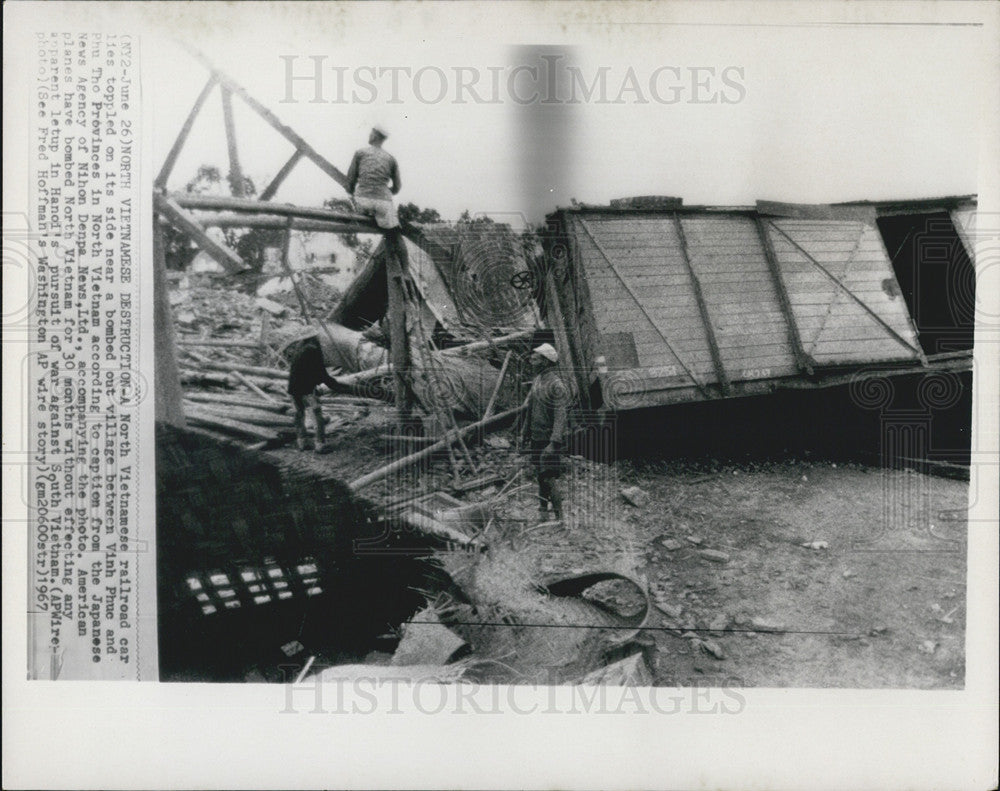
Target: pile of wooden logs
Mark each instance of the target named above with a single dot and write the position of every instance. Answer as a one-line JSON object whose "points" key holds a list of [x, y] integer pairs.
{"points": [[248, 402]]}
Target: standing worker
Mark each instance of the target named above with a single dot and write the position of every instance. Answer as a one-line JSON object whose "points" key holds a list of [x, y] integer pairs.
{"points": [[544, 428], [372, 180]]}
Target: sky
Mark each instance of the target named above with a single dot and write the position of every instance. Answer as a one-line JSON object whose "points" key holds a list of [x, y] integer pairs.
{"points": [[801, 112]]}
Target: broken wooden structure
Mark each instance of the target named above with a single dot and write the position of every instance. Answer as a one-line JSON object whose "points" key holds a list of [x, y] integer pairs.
{"points": [[681, 303], [193, 215]]}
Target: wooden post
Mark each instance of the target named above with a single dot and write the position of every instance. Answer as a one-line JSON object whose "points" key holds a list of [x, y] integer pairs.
{"points": [[175, 149], [399, 350], [183, 221], [276, 182], [166, 382], [272, 120], [236, 184], [286, 243]]}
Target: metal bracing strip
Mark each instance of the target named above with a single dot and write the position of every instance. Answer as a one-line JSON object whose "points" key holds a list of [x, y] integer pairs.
{"points": [[720, 370], [803, 360], [638, 302], [832, 302], [852, 295], [276, 182], [182, 136]]}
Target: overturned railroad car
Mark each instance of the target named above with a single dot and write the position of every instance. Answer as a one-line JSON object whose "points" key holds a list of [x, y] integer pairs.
{"points": [[656, 303]]}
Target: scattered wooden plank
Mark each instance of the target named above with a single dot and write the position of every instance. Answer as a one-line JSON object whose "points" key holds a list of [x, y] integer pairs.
{"points": [[256, 370], [234, 400], [199, 379], [188, 340], [498, 342], [250, 416], [406, 439], [479, 483], [245, 381], [345, 400], [198, 358], [203, 417], [452, 436], [428, 526]]}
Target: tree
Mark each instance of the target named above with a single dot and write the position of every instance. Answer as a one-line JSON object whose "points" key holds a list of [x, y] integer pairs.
{"points": [[411, 213], [467, 219]]}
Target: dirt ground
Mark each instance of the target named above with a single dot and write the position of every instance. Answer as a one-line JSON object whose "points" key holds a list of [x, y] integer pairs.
{"points": [[879, 603], [830, 574]]}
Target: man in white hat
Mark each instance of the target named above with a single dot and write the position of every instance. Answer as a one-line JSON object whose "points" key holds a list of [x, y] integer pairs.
{"points": [[544, 427], [372, 179]]}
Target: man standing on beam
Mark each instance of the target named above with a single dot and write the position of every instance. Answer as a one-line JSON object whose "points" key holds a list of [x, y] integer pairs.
{"points": [[372, 180]]}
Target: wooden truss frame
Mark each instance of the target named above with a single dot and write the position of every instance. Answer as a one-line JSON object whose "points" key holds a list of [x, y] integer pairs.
{"points": [[194, 214]]}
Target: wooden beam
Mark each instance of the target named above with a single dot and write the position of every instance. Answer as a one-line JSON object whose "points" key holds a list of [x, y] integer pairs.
{"points": [[413, 458], [399, 352], [496, 390], [286, 242], [277, 181], [803, 360], [236, 184], [206, 417], [706, 319], [183, 221], [584, 322], [210, 219], [221, 342], [490, 343], [182, 136], [255, 370], [272, 120], [218, 203]]}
